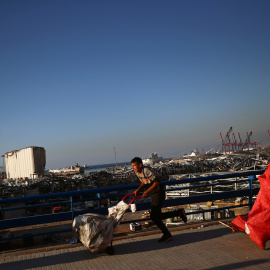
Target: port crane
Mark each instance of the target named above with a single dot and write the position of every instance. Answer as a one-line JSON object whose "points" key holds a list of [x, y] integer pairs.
{"points": [[230, 144], [234, 143], [240, 144], [226, 143], [247, 141]]}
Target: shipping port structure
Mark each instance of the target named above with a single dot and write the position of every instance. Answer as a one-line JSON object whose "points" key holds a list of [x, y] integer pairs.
{"points": [[230, 144], [28, 162]]}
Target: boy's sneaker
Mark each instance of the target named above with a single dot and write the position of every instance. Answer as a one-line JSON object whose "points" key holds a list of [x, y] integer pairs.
{"points": [[165, 238], [182, 214]]}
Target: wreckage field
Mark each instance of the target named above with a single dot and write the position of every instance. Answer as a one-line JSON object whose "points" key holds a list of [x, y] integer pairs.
{"points": [[170, 169]]}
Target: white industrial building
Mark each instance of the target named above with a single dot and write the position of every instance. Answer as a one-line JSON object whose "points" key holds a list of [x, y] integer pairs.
{"points": [[25, 163]]}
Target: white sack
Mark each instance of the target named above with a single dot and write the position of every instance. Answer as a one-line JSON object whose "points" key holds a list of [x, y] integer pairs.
{"points": [[95, 231], [118, 211]]}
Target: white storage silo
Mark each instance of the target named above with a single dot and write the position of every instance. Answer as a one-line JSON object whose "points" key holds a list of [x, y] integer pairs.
{"points": [[25, 163]]}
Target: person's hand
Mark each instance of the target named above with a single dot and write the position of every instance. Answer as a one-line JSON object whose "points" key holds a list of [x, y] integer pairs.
{"points": [[136, 193], [145, 194]]}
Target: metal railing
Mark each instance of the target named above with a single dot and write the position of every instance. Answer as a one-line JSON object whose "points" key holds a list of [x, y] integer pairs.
{"points": [[100, 198]]}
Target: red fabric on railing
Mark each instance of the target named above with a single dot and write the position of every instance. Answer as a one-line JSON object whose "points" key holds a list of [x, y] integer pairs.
{"points": [[257, 223]]}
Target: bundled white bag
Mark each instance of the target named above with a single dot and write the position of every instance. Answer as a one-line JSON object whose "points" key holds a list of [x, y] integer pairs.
{"points": [[95, 231], [118, 211]]}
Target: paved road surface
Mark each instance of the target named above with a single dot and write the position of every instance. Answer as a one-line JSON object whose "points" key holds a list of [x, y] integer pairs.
{"points": [[209, 248]]}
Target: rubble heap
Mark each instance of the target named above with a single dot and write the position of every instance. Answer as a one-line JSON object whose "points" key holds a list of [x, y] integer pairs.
{"points": [[192, 166]]}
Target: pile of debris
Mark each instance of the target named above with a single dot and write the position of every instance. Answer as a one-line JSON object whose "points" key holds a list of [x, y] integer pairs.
{"points": [[196, 166], [220, 163]]}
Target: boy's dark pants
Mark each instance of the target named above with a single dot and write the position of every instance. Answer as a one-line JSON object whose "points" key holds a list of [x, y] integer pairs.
{"points": [[157, 200]]}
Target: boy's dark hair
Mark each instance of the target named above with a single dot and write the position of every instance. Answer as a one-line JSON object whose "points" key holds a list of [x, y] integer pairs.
{"points": [[136, 160]]}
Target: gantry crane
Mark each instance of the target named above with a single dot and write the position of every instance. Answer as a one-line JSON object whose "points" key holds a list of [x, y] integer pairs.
{"points": [[240, 144], [234, 144], [226, 144]]}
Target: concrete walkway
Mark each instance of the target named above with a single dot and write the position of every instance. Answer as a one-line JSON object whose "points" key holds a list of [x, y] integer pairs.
{"points": [[213, 247]]}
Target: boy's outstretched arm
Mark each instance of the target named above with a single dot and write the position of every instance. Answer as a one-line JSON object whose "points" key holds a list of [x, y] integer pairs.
{"points": [[137, 191], [147, 192]]}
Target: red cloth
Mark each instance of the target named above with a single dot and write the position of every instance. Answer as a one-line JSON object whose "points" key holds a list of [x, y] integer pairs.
{"points": [[257, 223]]}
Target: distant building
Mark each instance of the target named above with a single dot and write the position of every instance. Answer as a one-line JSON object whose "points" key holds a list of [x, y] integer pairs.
{"points": [[25, 163], [194, 153], [152, 159]]}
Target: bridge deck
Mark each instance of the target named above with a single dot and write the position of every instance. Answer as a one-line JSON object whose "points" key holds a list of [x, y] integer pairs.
{"points": [[212, 247]]}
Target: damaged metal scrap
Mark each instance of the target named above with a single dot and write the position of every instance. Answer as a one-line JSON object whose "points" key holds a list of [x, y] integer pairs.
{"points": [[111, 177]]}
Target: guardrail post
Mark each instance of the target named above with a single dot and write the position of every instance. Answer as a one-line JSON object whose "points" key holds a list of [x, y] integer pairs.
{"points": [[99, 201], [250, 202], [71, 206]]}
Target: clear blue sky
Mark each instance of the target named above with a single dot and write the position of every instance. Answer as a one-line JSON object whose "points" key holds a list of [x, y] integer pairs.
{"points": [[81, 77]]}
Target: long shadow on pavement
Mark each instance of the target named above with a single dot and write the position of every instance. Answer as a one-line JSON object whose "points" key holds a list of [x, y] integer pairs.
{"points": [[73, 255], [50, 260], [245, 264], [178, 240]]}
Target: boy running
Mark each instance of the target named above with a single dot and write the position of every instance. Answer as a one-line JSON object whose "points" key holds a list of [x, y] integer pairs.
{"points": [[152, 187]]}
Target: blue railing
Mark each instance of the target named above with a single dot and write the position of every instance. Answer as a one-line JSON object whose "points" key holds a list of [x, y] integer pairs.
{"points": [[100, 197]]}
